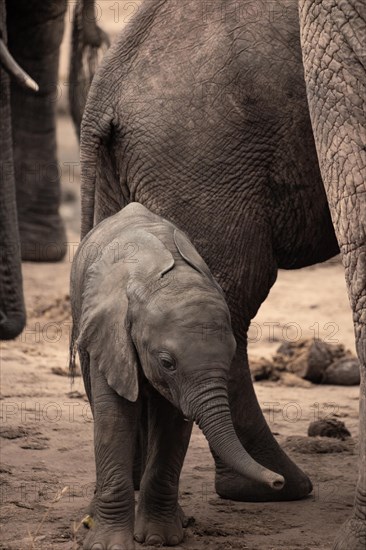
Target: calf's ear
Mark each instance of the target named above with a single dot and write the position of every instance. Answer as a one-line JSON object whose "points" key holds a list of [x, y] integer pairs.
{"points": [[105, 320], [105, 333], [191, 256]]}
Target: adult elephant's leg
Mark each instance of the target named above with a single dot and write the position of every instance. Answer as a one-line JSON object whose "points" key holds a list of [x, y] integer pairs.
{"points": [[258, 440], [248, 288], [160, 519], [35, 33], [12, 311], [333, 38]]}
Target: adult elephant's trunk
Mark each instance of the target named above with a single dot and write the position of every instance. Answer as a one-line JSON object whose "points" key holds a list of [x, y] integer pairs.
{"points": [[209, 407]]}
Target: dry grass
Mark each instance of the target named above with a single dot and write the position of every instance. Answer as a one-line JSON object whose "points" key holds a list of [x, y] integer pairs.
{"points": [[34, 538]]}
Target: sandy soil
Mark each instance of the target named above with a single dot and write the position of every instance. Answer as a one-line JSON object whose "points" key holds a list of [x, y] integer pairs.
{"points": [[46, 431], [46, 438]]}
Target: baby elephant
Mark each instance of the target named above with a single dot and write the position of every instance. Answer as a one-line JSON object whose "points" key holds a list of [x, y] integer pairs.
{"points": [[153, 330]]}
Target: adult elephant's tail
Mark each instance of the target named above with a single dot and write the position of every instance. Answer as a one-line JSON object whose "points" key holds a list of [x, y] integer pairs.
{"points": [[88, 156], [88, 45], [95, 129]]}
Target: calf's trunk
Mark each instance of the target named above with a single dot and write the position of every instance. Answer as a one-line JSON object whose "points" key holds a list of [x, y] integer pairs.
{"points": [[209, 407]]}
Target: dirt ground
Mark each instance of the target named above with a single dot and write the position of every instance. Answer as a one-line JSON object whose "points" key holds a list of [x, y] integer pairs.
{"points": [[46, 430]]}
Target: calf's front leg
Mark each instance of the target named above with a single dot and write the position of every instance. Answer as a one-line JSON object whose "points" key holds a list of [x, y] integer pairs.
{"points": [[115, 421]]}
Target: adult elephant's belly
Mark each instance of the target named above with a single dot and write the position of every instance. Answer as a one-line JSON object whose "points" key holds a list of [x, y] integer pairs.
{"points": [[224, 191], [227, 169], [303, 233]]}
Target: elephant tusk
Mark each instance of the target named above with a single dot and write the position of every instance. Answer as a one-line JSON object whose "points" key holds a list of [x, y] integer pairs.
{"points": [[8, 62]]}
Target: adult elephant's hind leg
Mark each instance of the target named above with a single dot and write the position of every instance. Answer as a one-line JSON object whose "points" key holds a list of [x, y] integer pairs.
{"points": [[245, 294], [352, 535], [35, 33], [257, 438]]}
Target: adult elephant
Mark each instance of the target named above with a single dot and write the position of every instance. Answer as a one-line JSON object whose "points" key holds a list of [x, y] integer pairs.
{"points": [[333, 38], [31, 227], [200, 113]]}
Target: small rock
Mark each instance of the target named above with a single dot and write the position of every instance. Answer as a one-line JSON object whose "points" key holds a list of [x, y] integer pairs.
{"points": [[330, 427], [75, 394], [13, 433], [60, 371], [68, 195], [63, 371], [35, 445], [22, 504]]}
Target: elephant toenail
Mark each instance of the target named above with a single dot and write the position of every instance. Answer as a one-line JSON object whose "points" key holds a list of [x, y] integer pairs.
{"points": [[138, 537], [174, 540], [116, 547], [154, 540], [98, 546]]}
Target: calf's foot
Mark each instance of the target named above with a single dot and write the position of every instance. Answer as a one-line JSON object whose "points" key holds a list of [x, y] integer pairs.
{"points": [[108, 537], [158, 527]]}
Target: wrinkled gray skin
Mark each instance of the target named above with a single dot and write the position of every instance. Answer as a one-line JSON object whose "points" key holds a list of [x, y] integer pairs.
{"points": [[35, 30], [203, 117], [12, 310], [30, 224], [333, 37], [153, 331]]}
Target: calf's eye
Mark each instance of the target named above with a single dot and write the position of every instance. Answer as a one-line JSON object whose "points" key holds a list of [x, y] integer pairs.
{"points": [[167, 362]]}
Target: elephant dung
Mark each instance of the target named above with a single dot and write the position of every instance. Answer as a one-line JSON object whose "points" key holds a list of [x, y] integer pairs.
{"points": [[292, 381], [262, 369], [308, 361], [329, 427], [309, 358], [318, 362], [344, 372], [319, 445]]}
